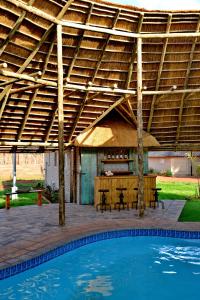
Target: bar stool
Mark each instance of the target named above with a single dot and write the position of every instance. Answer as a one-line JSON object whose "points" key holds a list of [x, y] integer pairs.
{"points": [[121, 199], [155, 202], [103, 204]]}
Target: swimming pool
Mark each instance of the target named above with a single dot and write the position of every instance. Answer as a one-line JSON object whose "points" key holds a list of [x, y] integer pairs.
{"points": [[132, 267]]}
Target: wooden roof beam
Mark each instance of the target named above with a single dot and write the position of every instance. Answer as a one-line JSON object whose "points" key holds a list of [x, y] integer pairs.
{"points": [[123, 115], [153, 103], [130, 71], [106, 112], [28, 78], [183, 98], [30, 105], [26, 88], [131, 112], [133, 55], [39, 44], [17, 80], [14, 29], [53, 117], [30, 144], [93, 78], [56, 20], [79, 45]]}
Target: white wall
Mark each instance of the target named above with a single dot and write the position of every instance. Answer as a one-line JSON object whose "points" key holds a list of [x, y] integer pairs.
{"points": [[179, 166], [51, 172], [159, 164]]}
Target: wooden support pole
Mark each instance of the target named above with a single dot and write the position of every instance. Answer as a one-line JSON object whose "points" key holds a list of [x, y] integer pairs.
{"points": [[140, 129], [26, 88], [60, 129], [28, 78], [7, 204], [39, 199]]}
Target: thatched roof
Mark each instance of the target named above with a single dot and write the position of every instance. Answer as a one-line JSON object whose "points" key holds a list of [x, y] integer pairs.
{"points": [[113, 131], [28, 44]]}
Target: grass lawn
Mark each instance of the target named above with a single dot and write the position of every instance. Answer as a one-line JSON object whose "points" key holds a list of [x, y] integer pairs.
{"points": [[181, 191], [176, 190], [190, 212], [23, 199]]}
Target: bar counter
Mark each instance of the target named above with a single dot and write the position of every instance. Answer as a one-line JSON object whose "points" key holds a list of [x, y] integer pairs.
{"points": [[129, 182]]}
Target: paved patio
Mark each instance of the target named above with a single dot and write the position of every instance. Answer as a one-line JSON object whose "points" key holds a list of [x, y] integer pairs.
{"points": [[28, 231]]}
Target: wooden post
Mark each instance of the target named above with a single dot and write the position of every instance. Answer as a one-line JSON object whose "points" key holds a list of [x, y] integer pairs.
{"points": [[140, 129], [7, 201], [61, 153], [39, 198]]}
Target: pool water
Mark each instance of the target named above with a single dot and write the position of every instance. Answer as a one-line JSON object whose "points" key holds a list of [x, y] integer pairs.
{"points": [[126, 268]]}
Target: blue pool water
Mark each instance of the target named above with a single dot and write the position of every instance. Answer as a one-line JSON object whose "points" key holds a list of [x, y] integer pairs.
{"points": [[138, 268]]}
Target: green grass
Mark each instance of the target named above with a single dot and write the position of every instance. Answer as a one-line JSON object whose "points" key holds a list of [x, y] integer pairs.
{"points": [[182, 191], [23, 199], [176, 190], [190, 212]]}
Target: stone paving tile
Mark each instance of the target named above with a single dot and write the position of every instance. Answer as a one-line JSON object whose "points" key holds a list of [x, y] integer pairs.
{"points": [[31, 230]]}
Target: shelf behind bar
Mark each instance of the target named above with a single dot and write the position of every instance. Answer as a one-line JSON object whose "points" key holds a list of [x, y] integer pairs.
{"points": [[120, 160]]}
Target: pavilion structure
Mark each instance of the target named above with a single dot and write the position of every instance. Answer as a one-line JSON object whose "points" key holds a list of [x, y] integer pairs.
{"points": [[64, 65]]}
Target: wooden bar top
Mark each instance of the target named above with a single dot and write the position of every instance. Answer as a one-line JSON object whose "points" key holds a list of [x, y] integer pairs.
{"points": [[129, 182]]}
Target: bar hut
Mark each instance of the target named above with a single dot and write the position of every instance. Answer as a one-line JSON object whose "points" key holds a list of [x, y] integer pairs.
{"points": [[111, 148]]}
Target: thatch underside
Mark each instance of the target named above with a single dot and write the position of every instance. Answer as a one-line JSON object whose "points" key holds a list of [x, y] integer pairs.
{"points": [[28, 44], [113, 131]]}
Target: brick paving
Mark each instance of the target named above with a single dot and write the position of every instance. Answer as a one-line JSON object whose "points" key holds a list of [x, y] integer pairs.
{"points": [[28, 231]]}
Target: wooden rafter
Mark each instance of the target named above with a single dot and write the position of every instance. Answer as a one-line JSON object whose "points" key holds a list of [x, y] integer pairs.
{"points": [[55, 20], [14, 29], [118, 109], [26, 88], [93, 78], [133, 54], [183, 98], [153, 103], [31, 56], [60, 15], [53, 117], [69, 73], [79, 44], [130, 71], [6, 91], [106, 112], [30, 144], [30, 105]]}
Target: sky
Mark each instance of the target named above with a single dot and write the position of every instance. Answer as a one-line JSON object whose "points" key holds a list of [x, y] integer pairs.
{"points": [[162, 4]]}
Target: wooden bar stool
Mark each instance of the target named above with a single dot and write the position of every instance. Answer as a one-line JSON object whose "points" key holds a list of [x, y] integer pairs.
{"points": [[155, 201], [103, 204], [121, 200]]}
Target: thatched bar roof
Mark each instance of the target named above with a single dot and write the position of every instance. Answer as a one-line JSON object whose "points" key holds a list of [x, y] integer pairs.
{"points": [[28, 109], [113, 131]]}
